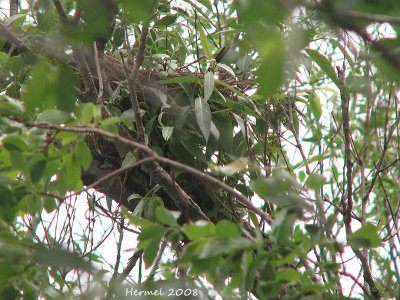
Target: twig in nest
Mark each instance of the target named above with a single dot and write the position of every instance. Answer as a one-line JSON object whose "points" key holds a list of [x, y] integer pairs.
{"points": [[99, 75]]}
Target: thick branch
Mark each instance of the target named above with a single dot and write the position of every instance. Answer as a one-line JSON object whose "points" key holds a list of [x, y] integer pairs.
{"points": [[61, 12], [10, 36]]}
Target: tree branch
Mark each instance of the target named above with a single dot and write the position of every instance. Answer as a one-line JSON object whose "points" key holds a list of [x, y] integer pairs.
{"points": [[131, 78], [348, 205], [61, 12], [10, 36], [151, 154]]}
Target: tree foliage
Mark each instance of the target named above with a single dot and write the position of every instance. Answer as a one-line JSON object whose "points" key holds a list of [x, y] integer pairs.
{"points": [[251, 147]]}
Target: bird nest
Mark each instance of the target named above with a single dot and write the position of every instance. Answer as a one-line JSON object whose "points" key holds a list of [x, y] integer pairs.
{"points": [[226, 84]]}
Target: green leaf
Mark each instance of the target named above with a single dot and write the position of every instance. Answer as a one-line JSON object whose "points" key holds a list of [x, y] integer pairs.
{"points": [[136, 220], [69, 177], [282, 227], [324, 64], [315, 181], [288, 275], [236, 105], [318, 157], [190, 250], [225, 127], [53, 116], [226, 229], [137, 10], [229, 87], [10, 106], [50, 86], [206, 3], [315, 233], [151, 231], [118, 38], [166, 20], [66, 137], [18, 160], [199, 230], [205, 43], [203, 117], [30, 203], [40, 88], [208, 85], [49, 204], [254, 219], [110, 124], [130, 158], [260, 11], [37, 168], [88, 113], [365, 237], [66, 92], [167, 217], [272, 53], [217, 247], [150, 252], [280, 182], [15, 143], [82, 154], [315, 105]]}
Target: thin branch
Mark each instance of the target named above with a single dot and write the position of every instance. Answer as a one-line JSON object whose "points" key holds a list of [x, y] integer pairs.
{"points": [[131, 264], [348, 203], [118, 259], [86, 74], [99, 74], [114, 174], [381, 159], [131, 78], [355, 280]]}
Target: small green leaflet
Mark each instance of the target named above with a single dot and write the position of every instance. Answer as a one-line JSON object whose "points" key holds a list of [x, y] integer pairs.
{"points": [[208, 85], [205, 43], [315, 105], [167, 132], [231, 88], [166, 20], [315, 181], [203, 116], [365, 237], [324, 64], [206, 3]]}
